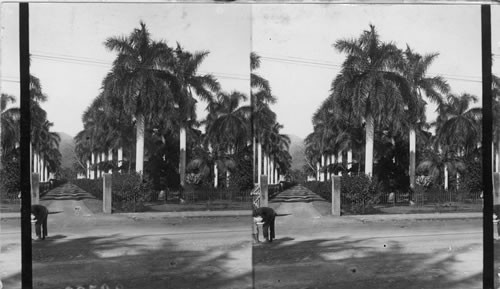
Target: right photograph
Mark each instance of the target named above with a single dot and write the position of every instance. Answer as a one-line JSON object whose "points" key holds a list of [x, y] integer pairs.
{"points": [[367, 145]]}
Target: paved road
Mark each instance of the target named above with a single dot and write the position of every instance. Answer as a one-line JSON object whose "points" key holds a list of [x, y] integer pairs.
{"points": [[92, 249], [314, 251]]}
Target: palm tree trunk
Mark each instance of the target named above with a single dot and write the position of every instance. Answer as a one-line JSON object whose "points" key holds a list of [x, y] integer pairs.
{"points": [[31, 158], [103, 159], [497, 157], [42, 169], [349, 159], [412, 157], [87, 169], [99, 160], [110, 159], [259, 161], [35, 162], [322, 176], [446, 177], [334, 161], [328, 162], [92, 162], [182, 156], [369, 145], [216, 176], [265, 162], [120, 158], [40, 164], [339, 158], [271, 170], [139, 147], [254, 156], [317, 172]]}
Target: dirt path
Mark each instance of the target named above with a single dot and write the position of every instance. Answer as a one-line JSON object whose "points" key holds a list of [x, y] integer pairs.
{"points": [[67, 208], [296, 204]]}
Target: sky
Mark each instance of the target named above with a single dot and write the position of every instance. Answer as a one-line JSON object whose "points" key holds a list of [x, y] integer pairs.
{"points": [[68, 55], [295, 43]]}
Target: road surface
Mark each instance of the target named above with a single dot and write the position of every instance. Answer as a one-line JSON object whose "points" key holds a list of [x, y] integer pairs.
{"points": [[92, 249], [315, 251]]}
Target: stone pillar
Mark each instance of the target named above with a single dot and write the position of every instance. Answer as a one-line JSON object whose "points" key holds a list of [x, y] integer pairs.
{"points": [[35, 189], [336, 195], [263, 191], [106, 193]]}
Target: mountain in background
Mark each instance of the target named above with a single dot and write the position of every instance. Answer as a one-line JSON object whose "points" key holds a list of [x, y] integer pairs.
{"points": [[67, 149], [297, 151]]}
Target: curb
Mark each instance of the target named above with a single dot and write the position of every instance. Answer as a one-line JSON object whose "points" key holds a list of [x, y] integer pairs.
{"points": [[187, 214], [414, 217], [248, 213], [10, 215]]}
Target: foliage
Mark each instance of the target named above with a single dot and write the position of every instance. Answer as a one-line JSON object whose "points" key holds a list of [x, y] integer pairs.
{"points": [[472, 179], [359, 193], [10, 180], [130, 192]]}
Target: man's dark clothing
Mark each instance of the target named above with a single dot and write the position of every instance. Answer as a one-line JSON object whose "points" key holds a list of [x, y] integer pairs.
{"points": [[41, 213], [268, 217]]}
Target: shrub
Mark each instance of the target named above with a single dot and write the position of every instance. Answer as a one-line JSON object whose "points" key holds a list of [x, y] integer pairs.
{"points": [[130, 192], [358, 193], [10, 180]]}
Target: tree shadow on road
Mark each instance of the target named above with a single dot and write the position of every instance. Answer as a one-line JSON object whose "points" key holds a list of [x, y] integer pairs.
{"points": [[137, 262], [347, 263]]}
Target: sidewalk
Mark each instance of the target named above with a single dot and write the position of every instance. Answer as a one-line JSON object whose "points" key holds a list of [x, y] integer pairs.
{"points": [[160, 215], [424, 216]]}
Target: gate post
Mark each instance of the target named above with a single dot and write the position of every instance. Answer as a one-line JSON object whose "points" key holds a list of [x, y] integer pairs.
{"points": [[263, 191], [35, 189], [336, 195], [106, 193]]}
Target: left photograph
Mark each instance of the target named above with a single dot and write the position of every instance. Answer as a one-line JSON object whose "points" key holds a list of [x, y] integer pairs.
{"points": [[141, 142]]}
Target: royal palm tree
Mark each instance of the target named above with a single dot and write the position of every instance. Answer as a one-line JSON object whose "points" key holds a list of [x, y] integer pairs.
{"points": [[262, 116], [414, 68], [135, 76], [49, 149], [459, 126], [186, 85], [368, 84], [229, 125], [9, 126]]}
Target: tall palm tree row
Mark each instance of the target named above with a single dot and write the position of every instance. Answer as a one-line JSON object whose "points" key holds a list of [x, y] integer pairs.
{"points": [[154, 89], [379, 99], [9, 128], [270, 148], [44, 142]]}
